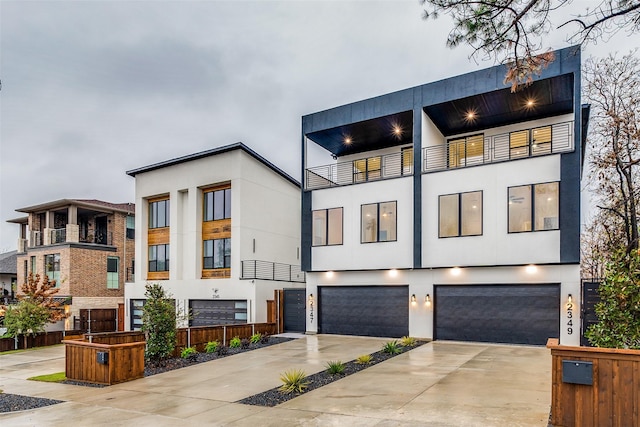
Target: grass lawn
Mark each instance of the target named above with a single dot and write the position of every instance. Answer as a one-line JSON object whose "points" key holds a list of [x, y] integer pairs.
{"points": [[50, 378]]}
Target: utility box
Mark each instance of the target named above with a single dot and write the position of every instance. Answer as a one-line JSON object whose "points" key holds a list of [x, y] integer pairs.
{"points": [[103, 357], [577, 372]]}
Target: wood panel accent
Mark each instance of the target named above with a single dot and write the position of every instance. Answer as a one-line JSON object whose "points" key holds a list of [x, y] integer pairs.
{"points": [[158, 236], [98, 319], [216, 187], [112, 338], [158, 198], [158, 275], [218, 273], [199, 336], [219, 229], [612, 400], [125, 362], [271, 311]]}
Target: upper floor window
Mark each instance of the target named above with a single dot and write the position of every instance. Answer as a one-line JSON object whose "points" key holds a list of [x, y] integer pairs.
{"points": [[217, 204], [378, 222], [530, 142], [327, 227], [217, 254], [460, 214], [159, 214], [113, 270], [52, 267], [534, 207], [463, 151], [131, 227], [159, 258]]}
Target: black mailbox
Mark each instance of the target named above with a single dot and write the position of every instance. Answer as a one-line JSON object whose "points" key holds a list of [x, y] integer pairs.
{"points": [[103, 358], [577, 372]]}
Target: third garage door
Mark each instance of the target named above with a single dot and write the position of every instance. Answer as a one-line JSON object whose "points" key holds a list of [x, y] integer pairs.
{"points": [[516, 314], [376, 311]]}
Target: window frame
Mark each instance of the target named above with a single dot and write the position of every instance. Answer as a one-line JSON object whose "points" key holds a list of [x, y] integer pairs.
{"points": [[153, 214], [226, 204], [463, 141], [460, 217], [327, 227], [166, 258], [110, 274], [532, 213], [55, 262], [226, 245], [130, 226], [395, 202]]}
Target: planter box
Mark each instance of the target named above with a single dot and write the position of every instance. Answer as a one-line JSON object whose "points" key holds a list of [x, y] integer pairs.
{"points": [[594, 386]]}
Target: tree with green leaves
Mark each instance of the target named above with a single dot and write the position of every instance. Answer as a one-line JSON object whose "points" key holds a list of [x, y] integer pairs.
{"points": [[159, 319], [513, 31], [619, 308], [26, 318]]}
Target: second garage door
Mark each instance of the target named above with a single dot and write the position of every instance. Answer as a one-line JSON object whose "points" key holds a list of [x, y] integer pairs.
{"points": [[376, 311], [217, 312], [516, 314]]}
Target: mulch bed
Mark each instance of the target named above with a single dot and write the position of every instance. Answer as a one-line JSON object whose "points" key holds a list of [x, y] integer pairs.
{"points": [[274, 396], [15, 402]]}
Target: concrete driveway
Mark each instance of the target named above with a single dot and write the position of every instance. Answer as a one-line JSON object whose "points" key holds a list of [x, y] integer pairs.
{"points": [[438, 384]]}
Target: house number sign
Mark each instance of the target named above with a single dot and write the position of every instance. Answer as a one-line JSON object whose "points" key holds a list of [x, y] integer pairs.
{"points": [[570, 317], [311, 310]]}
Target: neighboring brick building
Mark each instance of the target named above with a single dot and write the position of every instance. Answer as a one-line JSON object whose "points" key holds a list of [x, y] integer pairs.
{"points": [[87, 246]]}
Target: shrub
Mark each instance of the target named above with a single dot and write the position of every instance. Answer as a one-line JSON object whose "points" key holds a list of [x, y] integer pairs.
{"points": [[335, 367], [245, 343], [222, 350], [265, 338], [293, 381], [212, 346], [365, 359], [408, 341], [392, 347], [189, 353], [235, 342], [255, 338], [159, 322]]}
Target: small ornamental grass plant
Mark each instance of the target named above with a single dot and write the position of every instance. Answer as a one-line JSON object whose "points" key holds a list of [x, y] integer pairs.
{"points": [[293, 381], [255, 338], [264, 339], [212, 346], [235, 342], [335, 367], [245, 343], [392, 347], [408, 341], [189, 353], [365, 359]]}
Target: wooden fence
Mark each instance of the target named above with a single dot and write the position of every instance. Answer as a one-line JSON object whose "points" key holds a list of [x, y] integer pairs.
{"points": [[613, 398], [123, 362], [29, 341]]}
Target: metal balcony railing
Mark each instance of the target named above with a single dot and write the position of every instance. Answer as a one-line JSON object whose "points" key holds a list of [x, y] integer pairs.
{"points": [[58, 235], [98, 238], [267, 270], [35, 239], [361, 170], [520, 144]]}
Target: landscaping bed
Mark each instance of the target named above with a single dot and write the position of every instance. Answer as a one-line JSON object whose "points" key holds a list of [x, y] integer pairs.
{"points": [[274, 396], [15, 402]]}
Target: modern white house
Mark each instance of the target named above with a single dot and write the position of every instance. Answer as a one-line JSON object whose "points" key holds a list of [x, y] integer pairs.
{"points": [[220, 230], [449, 210]]}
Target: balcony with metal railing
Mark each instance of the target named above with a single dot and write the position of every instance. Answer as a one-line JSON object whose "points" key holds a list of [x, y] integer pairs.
{"points": [[477, 150], [361, 170], [267, 270], [58, 235]]}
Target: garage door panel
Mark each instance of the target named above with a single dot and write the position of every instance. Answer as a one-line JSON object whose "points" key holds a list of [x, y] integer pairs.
{"points": [[523, 314], [217, 312], [364, 310]]}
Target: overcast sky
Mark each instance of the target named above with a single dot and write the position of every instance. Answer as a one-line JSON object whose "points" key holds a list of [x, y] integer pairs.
{"points": [[91, 89]]}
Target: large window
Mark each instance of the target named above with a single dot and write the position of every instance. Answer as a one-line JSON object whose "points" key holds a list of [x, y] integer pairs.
{"points": [[159, 214], [217, 204], [533, 207], [327, 227], [378, 222], [113, 270], [131, 227], [52, 267], [159, 258], [466, 151], [460, 214], [217, 254], [530, 142]]}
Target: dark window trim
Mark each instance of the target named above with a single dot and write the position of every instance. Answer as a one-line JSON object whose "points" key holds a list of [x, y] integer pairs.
{"points": [[378, 222], [166, 258], [167, 209], [460, 214], [465, 137], [530, 142], [326, 227], [227, 240], [224, 207], [533, 207]]}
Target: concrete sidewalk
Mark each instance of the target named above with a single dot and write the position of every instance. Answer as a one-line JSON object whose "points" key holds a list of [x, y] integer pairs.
{"points": [[441, 384]]}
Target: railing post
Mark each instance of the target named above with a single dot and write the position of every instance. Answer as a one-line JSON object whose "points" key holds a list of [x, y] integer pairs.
{"points": [[188, 337], [224, 335]]}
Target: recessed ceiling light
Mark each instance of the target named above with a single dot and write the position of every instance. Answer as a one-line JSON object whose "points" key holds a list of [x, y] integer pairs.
{"points": [[397, 130], [530, 103], [347, 140]]}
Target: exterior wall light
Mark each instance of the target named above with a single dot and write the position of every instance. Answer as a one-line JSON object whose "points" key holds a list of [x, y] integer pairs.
{"points": [[393, 272], [456, 271], [531, 269], [427, 299], [569, 298], [329, 273], [413, 299], [311, 300]]}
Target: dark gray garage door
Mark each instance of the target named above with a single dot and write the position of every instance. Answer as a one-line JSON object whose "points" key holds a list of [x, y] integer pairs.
{"points": [[517, 314], [217, 312], [294, 310], [375, 311]]}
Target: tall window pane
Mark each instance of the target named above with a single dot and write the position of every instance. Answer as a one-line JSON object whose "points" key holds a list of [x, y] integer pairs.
{"points": [[541, 140], [319, 227], [387, 229], [208, 206], [335, 226], [369, 223], [471, 213], [208, 254], [520, 209], [227, 203], [546, 206], [218, 205], [519, 144], [112, 273], [161, 214], [449, 215]]}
